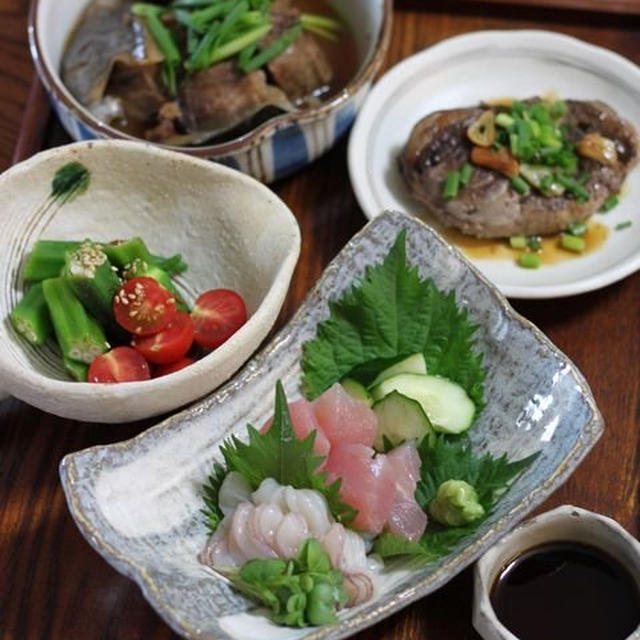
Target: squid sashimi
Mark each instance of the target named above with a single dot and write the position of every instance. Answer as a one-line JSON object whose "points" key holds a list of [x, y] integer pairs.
{"points": [[343, 418], [303, 421], [368, 484], [275, 520], [406, 518]]}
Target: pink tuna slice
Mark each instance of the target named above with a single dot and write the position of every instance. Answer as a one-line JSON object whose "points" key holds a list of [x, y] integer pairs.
{"points": [[368, 484], [343, 418], [406, 519], [303, 421]]}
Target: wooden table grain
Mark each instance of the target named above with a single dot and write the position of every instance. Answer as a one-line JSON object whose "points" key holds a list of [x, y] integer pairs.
{"points": [[54, 586]]}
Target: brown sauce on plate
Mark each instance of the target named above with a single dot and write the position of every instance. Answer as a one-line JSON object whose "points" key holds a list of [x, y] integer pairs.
{"points": [[566, 591], [499, 249]]}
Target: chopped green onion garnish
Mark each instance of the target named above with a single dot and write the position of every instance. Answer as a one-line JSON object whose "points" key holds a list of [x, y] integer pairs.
{"points": [[518, 107], [518, 242], [539, 113], [274, 49], [520, 186], [549, 137], [572, 243], [229, 22], [623, 225], [529, 260], [573, 187], [451, 185], [513, 143], [504, 120], [546, 182], [577, 229], [465, 173], [185, 19], [558, 109], [205, 16], [535, 129], [534, 243], [309, 20], [163, 38], [609, 203]]}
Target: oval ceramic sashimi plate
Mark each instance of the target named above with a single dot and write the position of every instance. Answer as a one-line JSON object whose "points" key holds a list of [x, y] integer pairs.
{"points": [[138, 502], [462, 72]]}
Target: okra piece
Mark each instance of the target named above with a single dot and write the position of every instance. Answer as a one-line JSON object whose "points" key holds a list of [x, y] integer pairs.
{"points": [[46, 259], [173, 265], [123, 253], [140, 268], [94, 281], [79, 335], [30, 317], [77, 370]]}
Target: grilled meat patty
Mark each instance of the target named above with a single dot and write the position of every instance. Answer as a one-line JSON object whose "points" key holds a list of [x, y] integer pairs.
{"points": [[488, 206]]}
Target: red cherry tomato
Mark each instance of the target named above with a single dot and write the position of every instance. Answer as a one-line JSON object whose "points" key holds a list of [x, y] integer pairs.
{"points": [[166, 369], [216, 316], [167, 345], [122, 364], [142, 306]]}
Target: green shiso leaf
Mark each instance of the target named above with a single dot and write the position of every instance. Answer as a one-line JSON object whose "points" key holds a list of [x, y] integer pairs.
{"points": [[391, 313], [280, 455], [445, 459], [212, 513]]}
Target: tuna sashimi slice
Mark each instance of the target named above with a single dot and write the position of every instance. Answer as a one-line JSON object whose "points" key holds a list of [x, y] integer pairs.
{"points": [[303, 421], [368, 484], [343, 418], [406, 518]]}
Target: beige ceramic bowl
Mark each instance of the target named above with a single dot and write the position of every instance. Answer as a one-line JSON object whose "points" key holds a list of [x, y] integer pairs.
{"points": [[564, 523], [232, 231]]}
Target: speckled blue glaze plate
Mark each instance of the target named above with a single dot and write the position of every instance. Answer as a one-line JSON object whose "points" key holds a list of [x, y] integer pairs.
{"points": [[138, 502]]}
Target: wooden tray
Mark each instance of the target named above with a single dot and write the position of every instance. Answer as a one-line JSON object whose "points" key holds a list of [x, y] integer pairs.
{"points": [[602, 6]]}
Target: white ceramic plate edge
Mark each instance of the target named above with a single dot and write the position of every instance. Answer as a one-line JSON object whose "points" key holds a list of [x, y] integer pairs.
{"points": [[441, 51]]}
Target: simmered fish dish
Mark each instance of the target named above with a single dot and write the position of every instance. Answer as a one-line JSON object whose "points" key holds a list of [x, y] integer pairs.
{"points": [[192, 72]]}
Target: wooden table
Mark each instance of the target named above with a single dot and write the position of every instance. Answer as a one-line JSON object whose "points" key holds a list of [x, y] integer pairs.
{"points": [[54, 586]]}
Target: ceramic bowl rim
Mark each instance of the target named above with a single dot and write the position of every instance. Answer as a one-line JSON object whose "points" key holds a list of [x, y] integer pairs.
{"points": [[53, 83], [14, 376]]}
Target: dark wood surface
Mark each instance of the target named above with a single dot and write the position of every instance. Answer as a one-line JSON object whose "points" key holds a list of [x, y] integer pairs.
{"points": [[54, 586]]}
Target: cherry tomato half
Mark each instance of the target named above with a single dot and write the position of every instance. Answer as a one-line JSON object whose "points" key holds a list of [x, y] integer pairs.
{"points": [[166, 369], [142, 306], [216, 316], [169, 344], [122, 364]]}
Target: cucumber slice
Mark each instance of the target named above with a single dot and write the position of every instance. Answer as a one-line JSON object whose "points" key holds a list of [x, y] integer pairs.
{"points": [[415, 363], [400, 418], [446, 403], [356, 390]]}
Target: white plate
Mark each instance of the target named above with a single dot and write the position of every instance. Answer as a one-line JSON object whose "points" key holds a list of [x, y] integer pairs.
{"points": [[461, 72]]}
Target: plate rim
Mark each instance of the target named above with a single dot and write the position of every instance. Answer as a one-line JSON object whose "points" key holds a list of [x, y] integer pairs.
{"points": [[535, 39]]}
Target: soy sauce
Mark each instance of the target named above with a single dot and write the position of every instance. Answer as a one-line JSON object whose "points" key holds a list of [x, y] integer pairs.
{"points": [[566, 590]]}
